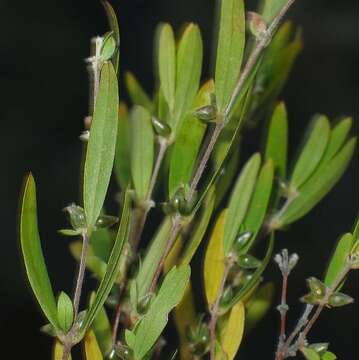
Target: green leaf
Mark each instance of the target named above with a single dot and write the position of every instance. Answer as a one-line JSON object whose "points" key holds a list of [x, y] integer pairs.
{"points": [[314, 145], [101, 145], [122, 164], [167, 63], [102, 329], [201, 228], [232, 334], [339, 259], [214, 260], [328, 356], [112, 270], [271, 8], [230, 48], [112, 20], [318, 185], [188, 73], [101, 243], [240, 200], [277, 140], [92, 349], [33, 257], [258, 306], [310, 354], [136, 92], [150, 327], [355, 232], [187, 145], [259, 203], [65, 311], [337, 139], [142, 150], [149, 265], [254, 281]]}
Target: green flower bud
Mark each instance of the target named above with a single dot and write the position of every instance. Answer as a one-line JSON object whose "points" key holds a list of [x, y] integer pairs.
{"points": [[206, 113], [248, 262], [256, 24], [144, 303], [77, 217], [105, 221], [161, 128], [317, 288], [242, 240], [227, 296], [340, 299]]}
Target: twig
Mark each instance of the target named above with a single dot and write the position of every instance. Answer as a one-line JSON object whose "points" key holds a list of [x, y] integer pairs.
{"points": [[214, 311], [221, 121], [143, 212], [261, 44]]}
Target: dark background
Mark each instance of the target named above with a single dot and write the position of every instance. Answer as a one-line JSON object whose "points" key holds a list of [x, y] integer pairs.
{"points": [[43, 98]]}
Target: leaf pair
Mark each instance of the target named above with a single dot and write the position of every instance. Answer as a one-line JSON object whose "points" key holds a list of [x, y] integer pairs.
{"points": [[179, 70], [324, 156]]}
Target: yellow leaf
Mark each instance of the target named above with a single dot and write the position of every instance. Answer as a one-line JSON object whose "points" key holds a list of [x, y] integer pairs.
{"points": [[232, 334], [58, 351], [92, 350], [172, 257], [214, 261], [184, 317]]}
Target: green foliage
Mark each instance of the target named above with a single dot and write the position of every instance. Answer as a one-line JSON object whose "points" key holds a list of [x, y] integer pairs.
{"points": [[178, 150]]}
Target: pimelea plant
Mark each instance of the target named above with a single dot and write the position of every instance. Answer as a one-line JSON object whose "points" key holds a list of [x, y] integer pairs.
{"points": [[182, 183]]}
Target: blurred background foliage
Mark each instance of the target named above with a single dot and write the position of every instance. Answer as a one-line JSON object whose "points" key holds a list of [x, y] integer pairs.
{"points": [[44, 97]]}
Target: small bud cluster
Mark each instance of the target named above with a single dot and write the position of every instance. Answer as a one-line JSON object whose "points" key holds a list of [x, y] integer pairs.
{"points": [[286, 262]]}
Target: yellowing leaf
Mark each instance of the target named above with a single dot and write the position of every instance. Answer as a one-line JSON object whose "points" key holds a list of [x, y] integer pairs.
{"points": [[92, 350], [184, 317], [214, 261], [58, 351], [232, 333]]}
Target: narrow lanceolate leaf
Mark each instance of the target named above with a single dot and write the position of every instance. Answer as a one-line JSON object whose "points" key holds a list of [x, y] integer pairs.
{"points": [[101, 326], [136, 92], [188, 143], [112, 270], [201, 227], [314, 145], [310, 354], [188, 73], [277, 140], [92, 349], [254, 281], [271, 8], [259, 204], [150, 327], [101, 145], [337, 139], [184, 318], [58, 351], [149, 265], [232, 334], [318, 185], [214, 261], [112, 19], [230, 47], [339, 259], [122, 164], [142, 150], [33, 257], [240, 200], [167, 63]]}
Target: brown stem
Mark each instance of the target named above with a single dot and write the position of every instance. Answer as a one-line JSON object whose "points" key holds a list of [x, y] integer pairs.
{"points": [[214, 312], [139, 224], [283, 315]]}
